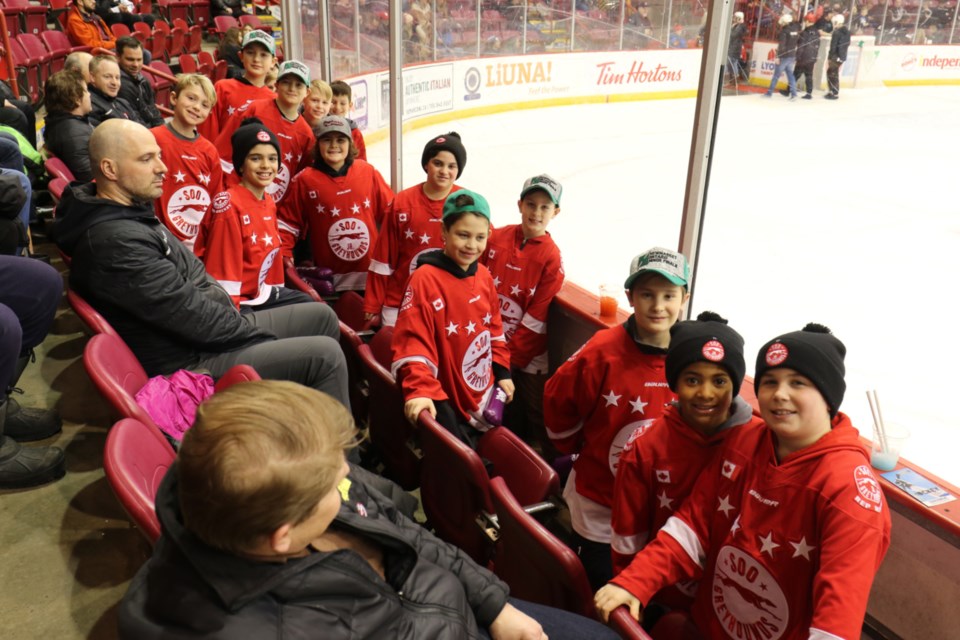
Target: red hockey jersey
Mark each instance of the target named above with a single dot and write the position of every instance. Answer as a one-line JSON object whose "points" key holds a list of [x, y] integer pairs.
{"points": [[528, 274], [242, 246], [340, 216], [192, 181], [786, 550], [232, 94], [448, 336], [296, 141], [592, 405], [411, 228], [657, 472]]}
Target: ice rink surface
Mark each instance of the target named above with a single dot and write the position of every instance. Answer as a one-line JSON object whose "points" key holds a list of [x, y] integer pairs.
{"points": [[845, 213]]}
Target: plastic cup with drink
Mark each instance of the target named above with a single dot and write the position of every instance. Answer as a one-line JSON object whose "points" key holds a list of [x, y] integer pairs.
{"points": [[608, 301]]}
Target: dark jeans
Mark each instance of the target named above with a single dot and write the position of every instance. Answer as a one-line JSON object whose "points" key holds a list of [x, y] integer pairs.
{"points": [[833, 76], [805, 70], [561, 625], [30, 291], [596, 560]]}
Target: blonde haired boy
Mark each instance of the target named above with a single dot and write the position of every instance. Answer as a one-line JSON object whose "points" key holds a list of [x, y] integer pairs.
{"points": [[317, 104]]}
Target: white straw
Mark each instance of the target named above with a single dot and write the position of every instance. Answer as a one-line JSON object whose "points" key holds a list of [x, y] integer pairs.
{"points": [[877, 419]]}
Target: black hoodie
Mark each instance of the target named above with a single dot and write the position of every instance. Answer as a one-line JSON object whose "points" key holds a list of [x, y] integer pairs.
{"points": [[68, 137], [152, 289]]}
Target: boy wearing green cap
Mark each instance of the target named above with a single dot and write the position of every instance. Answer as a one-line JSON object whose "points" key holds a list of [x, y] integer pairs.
{"points": [[612, 387], [449, 351]]}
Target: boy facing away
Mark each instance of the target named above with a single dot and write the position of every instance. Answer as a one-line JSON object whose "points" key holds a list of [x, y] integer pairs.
{"points": [[660, 465], [193, 167], [787, 526], [256, 53], [268, 533], [527, 269], [614, 385]]}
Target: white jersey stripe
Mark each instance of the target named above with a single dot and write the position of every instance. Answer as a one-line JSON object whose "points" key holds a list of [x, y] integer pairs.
{"points": [[682, 533]]}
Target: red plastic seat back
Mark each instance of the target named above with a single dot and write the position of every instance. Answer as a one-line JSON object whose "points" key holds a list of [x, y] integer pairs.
{"points": [[56, 167], [381, 345], [537, 566], [188, 64], [530, 476], [56, 187], [117, 374], [349, 308], [90, 316], [222, 23], [120, 30], [624, 624], [135, 459]]}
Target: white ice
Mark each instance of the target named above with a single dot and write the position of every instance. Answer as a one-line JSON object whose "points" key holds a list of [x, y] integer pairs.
{"points": [[845, 213]]}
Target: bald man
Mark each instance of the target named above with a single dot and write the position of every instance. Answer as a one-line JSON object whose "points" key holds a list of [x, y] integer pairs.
{"points": [[155, 292], [79, 62]]}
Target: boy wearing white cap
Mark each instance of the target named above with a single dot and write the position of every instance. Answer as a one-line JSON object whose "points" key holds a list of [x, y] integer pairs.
{"points": [[280, 114], [257, 54], [613, 386]]}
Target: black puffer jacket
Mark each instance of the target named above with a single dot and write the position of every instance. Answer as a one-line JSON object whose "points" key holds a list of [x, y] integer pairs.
{"points": [[808, 46], [68, 136], [432, 590], [105, 107], [146, 283], [787, 44], [839, 43], [138, 93]]}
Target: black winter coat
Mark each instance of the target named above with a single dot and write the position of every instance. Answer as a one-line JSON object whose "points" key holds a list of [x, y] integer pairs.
{"points": [[432, 589], [787, 44], [105, 107], [839, 43], [138, 92], [146, 283], [808, 46], [67, 137], [737, 33]]}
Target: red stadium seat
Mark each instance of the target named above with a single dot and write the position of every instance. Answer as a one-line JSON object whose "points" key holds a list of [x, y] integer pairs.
{"points": [[120, 30], [59, 47], [220, 70], [174, 9], [188, 64], [35, 48], [28, 71], [135, 460], [222, 23], [178, 40], [33, 17], [162, 30], [207, 63], [390, 432], [253, 21], [58, 11], [56, 167], [531, 477], [200, 13], [537, 566], [161, 86], [349, 309], [624, 624], [90, 316], [56, 187], [194, 36]]}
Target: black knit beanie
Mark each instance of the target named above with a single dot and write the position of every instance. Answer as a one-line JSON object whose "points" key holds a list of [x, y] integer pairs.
{"points": [[813, 352], [249, 134], [447, 142], [12, 196], [706, 339]]}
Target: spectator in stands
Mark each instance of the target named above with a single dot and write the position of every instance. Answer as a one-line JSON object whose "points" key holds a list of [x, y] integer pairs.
{"points": [[256, 52], [156, 293], [86, 29], [836, 56], [68, 128], [122, 12], [30, 292], [616, 384], [528, 272], [677, 40], [192, 160], [18, 114], [641, 33], [341, 105], [411, 226], [79, 63], [786, 54], [226, 8], [449, 352], [15, 202], [241, 240], [281, 115], [105, 92], [134, 87], [317, 104], [735, 49], [229, 50], [269, 533]]}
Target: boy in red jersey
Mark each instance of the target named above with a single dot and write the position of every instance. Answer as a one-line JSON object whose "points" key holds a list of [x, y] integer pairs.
{"points": [[193, 177], [340, 106], [411, 228], [660, 465], [241, 240], [317, 104], [527, 269], [614, 385], [282, 116], [337, 204], [449, 351], [256, 53], [787, 526]]}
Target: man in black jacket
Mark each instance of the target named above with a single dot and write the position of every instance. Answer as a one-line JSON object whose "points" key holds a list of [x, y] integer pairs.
{"points": [[808, 47], [68, 130], [134, 87], [839, 43], [156, 293], [105, 92], [786, 54]]}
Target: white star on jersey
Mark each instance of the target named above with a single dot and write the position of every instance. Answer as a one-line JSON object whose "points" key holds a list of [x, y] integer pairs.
{"points": [[424, 239], [180, 176], [204, 178], [496, 281], [408, 233], [612, 399], [268, 240], [321, 208], [725, 506], [471, 327], [487, 318], [288, 156], [366, 203], [355, 208], [253, 238], [231, 110], [452, 328], [638, 405], [515, 290], [335, 212], [533, 291], [802, 548], [665, 502], [767, 545], [736, 526]]}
